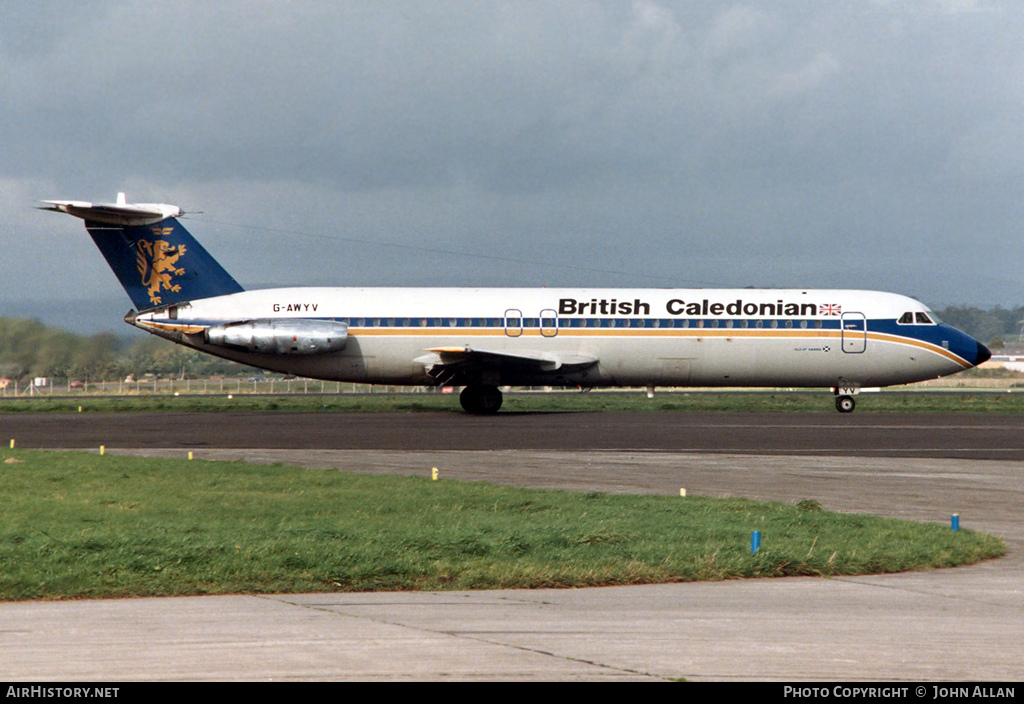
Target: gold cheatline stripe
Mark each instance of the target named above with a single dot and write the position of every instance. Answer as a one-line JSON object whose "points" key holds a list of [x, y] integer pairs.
{"points": [[172, 326], [657, 332], [942, 351]]}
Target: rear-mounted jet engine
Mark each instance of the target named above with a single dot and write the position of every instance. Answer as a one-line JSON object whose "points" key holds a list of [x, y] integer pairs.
{"points": [[281, 336]]}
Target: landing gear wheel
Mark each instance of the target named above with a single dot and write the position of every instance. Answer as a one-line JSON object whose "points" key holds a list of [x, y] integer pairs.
{"points": [[845, 404], [481, 399]]}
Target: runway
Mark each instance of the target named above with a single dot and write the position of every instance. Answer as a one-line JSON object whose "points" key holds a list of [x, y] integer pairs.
{"points": [[965, 436], [937, 626]]}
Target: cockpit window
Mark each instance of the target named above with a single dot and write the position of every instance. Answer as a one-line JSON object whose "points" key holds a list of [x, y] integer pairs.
{"points": [[917, 318]]}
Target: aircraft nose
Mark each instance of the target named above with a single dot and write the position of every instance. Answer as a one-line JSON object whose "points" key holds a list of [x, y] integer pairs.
{"points": [[983, 355]]}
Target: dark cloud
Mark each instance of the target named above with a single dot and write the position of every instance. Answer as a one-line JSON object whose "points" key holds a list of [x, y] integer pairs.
{"points": [[854, 144]]}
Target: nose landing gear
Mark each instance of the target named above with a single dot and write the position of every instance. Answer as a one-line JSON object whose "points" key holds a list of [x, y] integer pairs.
{"points": [[844, 398], [845, 404]]}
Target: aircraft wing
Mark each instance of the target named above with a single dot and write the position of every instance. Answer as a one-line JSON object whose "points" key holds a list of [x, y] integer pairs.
{"points": [[447, 363]]}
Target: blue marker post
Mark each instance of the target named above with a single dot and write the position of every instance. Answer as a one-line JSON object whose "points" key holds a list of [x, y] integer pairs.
{"points": [[755, 542], [955, 523]]}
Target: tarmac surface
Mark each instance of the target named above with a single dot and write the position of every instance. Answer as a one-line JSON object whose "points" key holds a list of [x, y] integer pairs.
{"points": [[973, 436], [936, 626]]}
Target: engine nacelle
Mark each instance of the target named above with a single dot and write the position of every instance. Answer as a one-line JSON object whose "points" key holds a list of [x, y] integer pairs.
{"points": [[272, 336]]}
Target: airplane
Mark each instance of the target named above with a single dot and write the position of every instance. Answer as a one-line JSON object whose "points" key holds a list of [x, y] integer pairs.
{"points": [[485, 338]]}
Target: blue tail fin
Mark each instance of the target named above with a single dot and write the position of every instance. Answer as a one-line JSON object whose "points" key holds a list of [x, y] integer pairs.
{"points": [[153, 256], [160, 264]]}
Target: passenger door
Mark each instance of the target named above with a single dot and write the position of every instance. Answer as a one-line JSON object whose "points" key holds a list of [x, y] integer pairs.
{"points": [[548, 323], [513, 322], [854, 333]]}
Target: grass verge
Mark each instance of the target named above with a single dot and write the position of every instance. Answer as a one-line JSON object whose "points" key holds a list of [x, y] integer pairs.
{"points": [[77, 525]]}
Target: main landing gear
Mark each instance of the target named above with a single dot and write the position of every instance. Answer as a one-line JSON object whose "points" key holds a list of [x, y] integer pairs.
{"points": [[481, 399]]}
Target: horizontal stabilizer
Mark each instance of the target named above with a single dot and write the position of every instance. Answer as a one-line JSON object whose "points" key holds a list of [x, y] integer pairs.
{"points": [[119, 213]]}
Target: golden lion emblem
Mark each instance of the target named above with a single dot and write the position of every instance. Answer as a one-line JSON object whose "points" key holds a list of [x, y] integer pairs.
{"points": [[157, 263]]}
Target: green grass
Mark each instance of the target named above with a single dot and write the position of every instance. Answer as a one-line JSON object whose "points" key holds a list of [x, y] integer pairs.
{"points": [[778, 401], [77, 525]]}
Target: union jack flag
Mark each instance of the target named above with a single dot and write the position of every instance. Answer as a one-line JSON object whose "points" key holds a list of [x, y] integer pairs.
{"points": [[831, 309]]}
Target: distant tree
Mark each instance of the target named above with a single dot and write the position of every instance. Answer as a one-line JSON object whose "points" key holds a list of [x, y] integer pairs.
{"points": [[96, 358], [28, 348], [983, 324]]}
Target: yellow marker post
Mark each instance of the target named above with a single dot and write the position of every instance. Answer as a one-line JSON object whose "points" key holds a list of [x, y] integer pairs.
{"points": [[433, 474], [190, 455], [79, 409], [12, 443], [103, 450], [682, 492]]}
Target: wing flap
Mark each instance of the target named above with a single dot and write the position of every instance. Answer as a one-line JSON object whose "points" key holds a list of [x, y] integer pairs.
{"points": [[445, 363]]}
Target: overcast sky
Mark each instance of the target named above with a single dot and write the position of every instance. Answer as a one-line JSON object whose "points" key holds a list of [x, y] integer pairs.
{"points": [[845, 144]]}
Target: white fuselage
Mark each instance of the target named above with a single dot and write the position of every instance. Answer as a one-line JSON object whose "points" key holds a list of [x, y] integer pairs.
{"points": [[633, 337]]}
